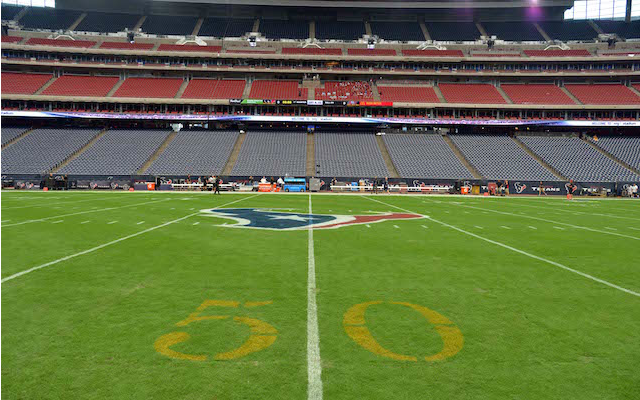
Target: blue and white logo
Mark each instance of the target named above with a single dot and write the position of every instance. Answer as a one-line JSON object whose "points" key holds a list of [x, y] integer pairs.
{"points": [[275, 220]]}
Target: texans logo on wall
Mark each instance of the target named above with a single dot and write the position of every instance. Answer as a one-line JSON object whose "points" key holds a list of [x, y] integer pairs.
{"points": [[254, 218], [520, 187]]}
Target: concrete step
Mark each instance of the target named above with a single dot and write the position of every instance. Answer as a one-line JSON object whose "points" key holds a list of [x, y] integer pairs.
{"points": [[439, 94], [367, 28], [46, 85], [233, 157], [77, 22], [247, 90], [157, 153], [539, 159], [75, 155], [504, 95], [311, 93], [311, 154], [196, 29], [17, 138], [21, 14], [312, 29], [542, 32], [476, 174], [139, 24], [634, 90], [374, 90], [256, 25], [568, 93], [611, 156], [481, 29], [183, 87], [393, 172], [116, 87]]}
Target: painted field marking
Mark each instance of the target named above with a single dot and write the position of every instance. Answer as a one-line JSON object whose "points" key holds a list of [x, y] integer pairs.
{"points": [[140, 223], [549, 209], [575, 271], [6, 220], [396, 226], [57, 222], [504, 227], [610, 228], [368, 226], [191, 209], [91, 250], [196, 223], [424, 226], [558, 227], [81, 212], [112, 222], [49, 204], [84, 222], [635, 229], [314, 362], [173, 208], [558, 223], [479, 227], [532, 227]]}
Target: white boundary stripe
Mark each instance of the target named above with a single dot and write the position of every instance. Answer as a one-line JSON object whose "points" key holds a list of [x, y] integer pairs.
{"points": [[593, 278], [566, 211], [314, 364], [41, 205], [80, 212], [91, 250], [554, 222]]}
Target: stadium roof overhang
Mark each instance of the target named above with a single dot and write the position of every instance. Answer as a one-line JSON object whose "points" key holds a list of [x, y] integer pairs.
{"points": [[401, 4]]}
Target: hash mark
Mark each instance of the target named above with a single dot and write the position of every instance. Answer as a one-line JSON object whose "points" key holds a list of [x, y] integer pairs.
{"points": [[505, 227], [84, 222], [425, 227], [112, 222], [557, 227], [479, 227], [368, 226], [140, 223], [532, 227], [396, 226], [57, 222], [196, 223]]}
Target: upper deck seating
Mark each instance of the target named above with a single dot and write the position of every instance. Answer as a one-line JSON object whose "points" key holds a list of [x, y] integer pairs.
{"points": [[408, 94], [214, 89], [195, 153], [225, 27], [471, 93], [513, 31], [404, 31], [107, 22], [126, 46], [432, 53], [424, 156], [272, 154], [339, 30], [349, 155], [603, 94], [60, 42], [277, 90], [453, 31], [18, 83], [284, 29], [189, 47], [345, 91], [371, 52], [569, 30], [49, 18], [9, 11], [169, 25], [149, 87], [79, 86], [536, 94], [623, 29]]}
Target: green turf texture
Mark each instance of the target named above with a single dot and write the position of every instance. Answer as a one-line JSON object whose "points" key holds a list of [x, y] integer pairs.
{"points": [[85, 328]]}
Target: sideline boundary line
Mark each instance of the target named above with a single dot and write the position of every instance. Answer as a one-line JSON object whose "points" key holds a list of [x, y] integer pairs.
{"points": [[555, 264], [91, 250], [29, 221], [314, 362]]}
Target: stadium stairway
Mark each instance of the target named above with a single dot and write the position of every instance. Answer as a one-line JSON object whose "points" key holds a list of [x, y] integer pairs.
{"points": [[539, 159], [481, 29], [77, 21], [425, 31], [21, 14], [157, 153], [196, 29], [311, 154], [476, 174], [504, 95], [247, 90], [439, 94], [184, 85], [75, 155], [571, 96], [595, 27], [634, 90], [542, 32], [115, 87], [393, 171], [137, 27], [17, 138], [46, 85], [611, 156], [312, 29], [374, 92], [233, 157]]}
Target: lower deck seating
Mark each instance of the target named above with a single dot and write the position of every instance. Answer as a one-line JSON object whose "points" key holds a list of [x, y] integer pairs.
{"points": [[408, 94], [149, 87], [118, 152], [214, 89], [499, 157], [424, 156], [277, 90], [43, 149], [536, 94], [576, 159], [196, 153], [349, 155], [471, 93], [79, 86], [626, 149], [345, 91], [604, 94], [272, 154], [17, 83], [10, 133]]}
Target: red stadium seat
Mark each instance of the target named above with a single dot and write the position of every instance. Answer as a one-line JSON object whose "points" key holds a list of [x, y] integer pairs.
{"points": [[432, 53], [345, 91], [371, 52], [604, 94], [471, 93], [277, 90], [408, 94], [312, 51], [149, 87], [214, 89], [536, 94], [189, 47], [88, 86], [557, 53], [126, 46], [60, 42], [16, 83]]}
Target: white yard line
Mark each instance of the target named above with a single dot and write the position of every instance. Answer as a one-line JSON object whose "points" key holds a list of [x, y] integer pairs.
{"points": [[50, 204], [140, 223], [57, 222], [314, 363], [559, 211], [81, 212], [91, 250], [424, 226], [112, 222], [564, 267], [532, 227], [84, 222], [396, 226], [554, 222], [196, 223]]}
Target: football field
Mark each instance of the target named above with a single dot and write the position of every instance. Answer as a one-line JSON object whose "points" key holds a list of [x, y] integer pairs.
{"points": [[274, 296]]}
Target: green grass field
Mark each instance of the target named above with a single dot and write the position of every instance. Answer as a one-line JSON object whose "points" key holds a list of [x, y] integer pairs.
{"points": [[142, 296]]}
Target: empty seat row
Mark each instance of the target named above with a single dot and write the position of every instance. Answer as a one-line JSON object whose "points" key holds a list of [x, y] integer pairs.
{"points": [[348, 155], [149, 87], [10, 133], [408, 94], [77, 85], [272, 154], [277, 90], [603, 94], [17, 83], [214, 89], [626, 149]]}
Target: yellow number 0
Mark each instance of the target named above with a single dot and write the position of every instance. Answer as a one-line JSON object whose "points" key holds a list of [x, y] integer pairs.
{"points": [[262, 333], [355, 326]]}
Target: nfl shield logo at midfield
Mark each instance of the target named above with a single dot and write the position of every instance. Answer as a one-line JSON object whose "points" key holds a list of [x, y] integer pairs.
{"points": [[274, 220]]}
